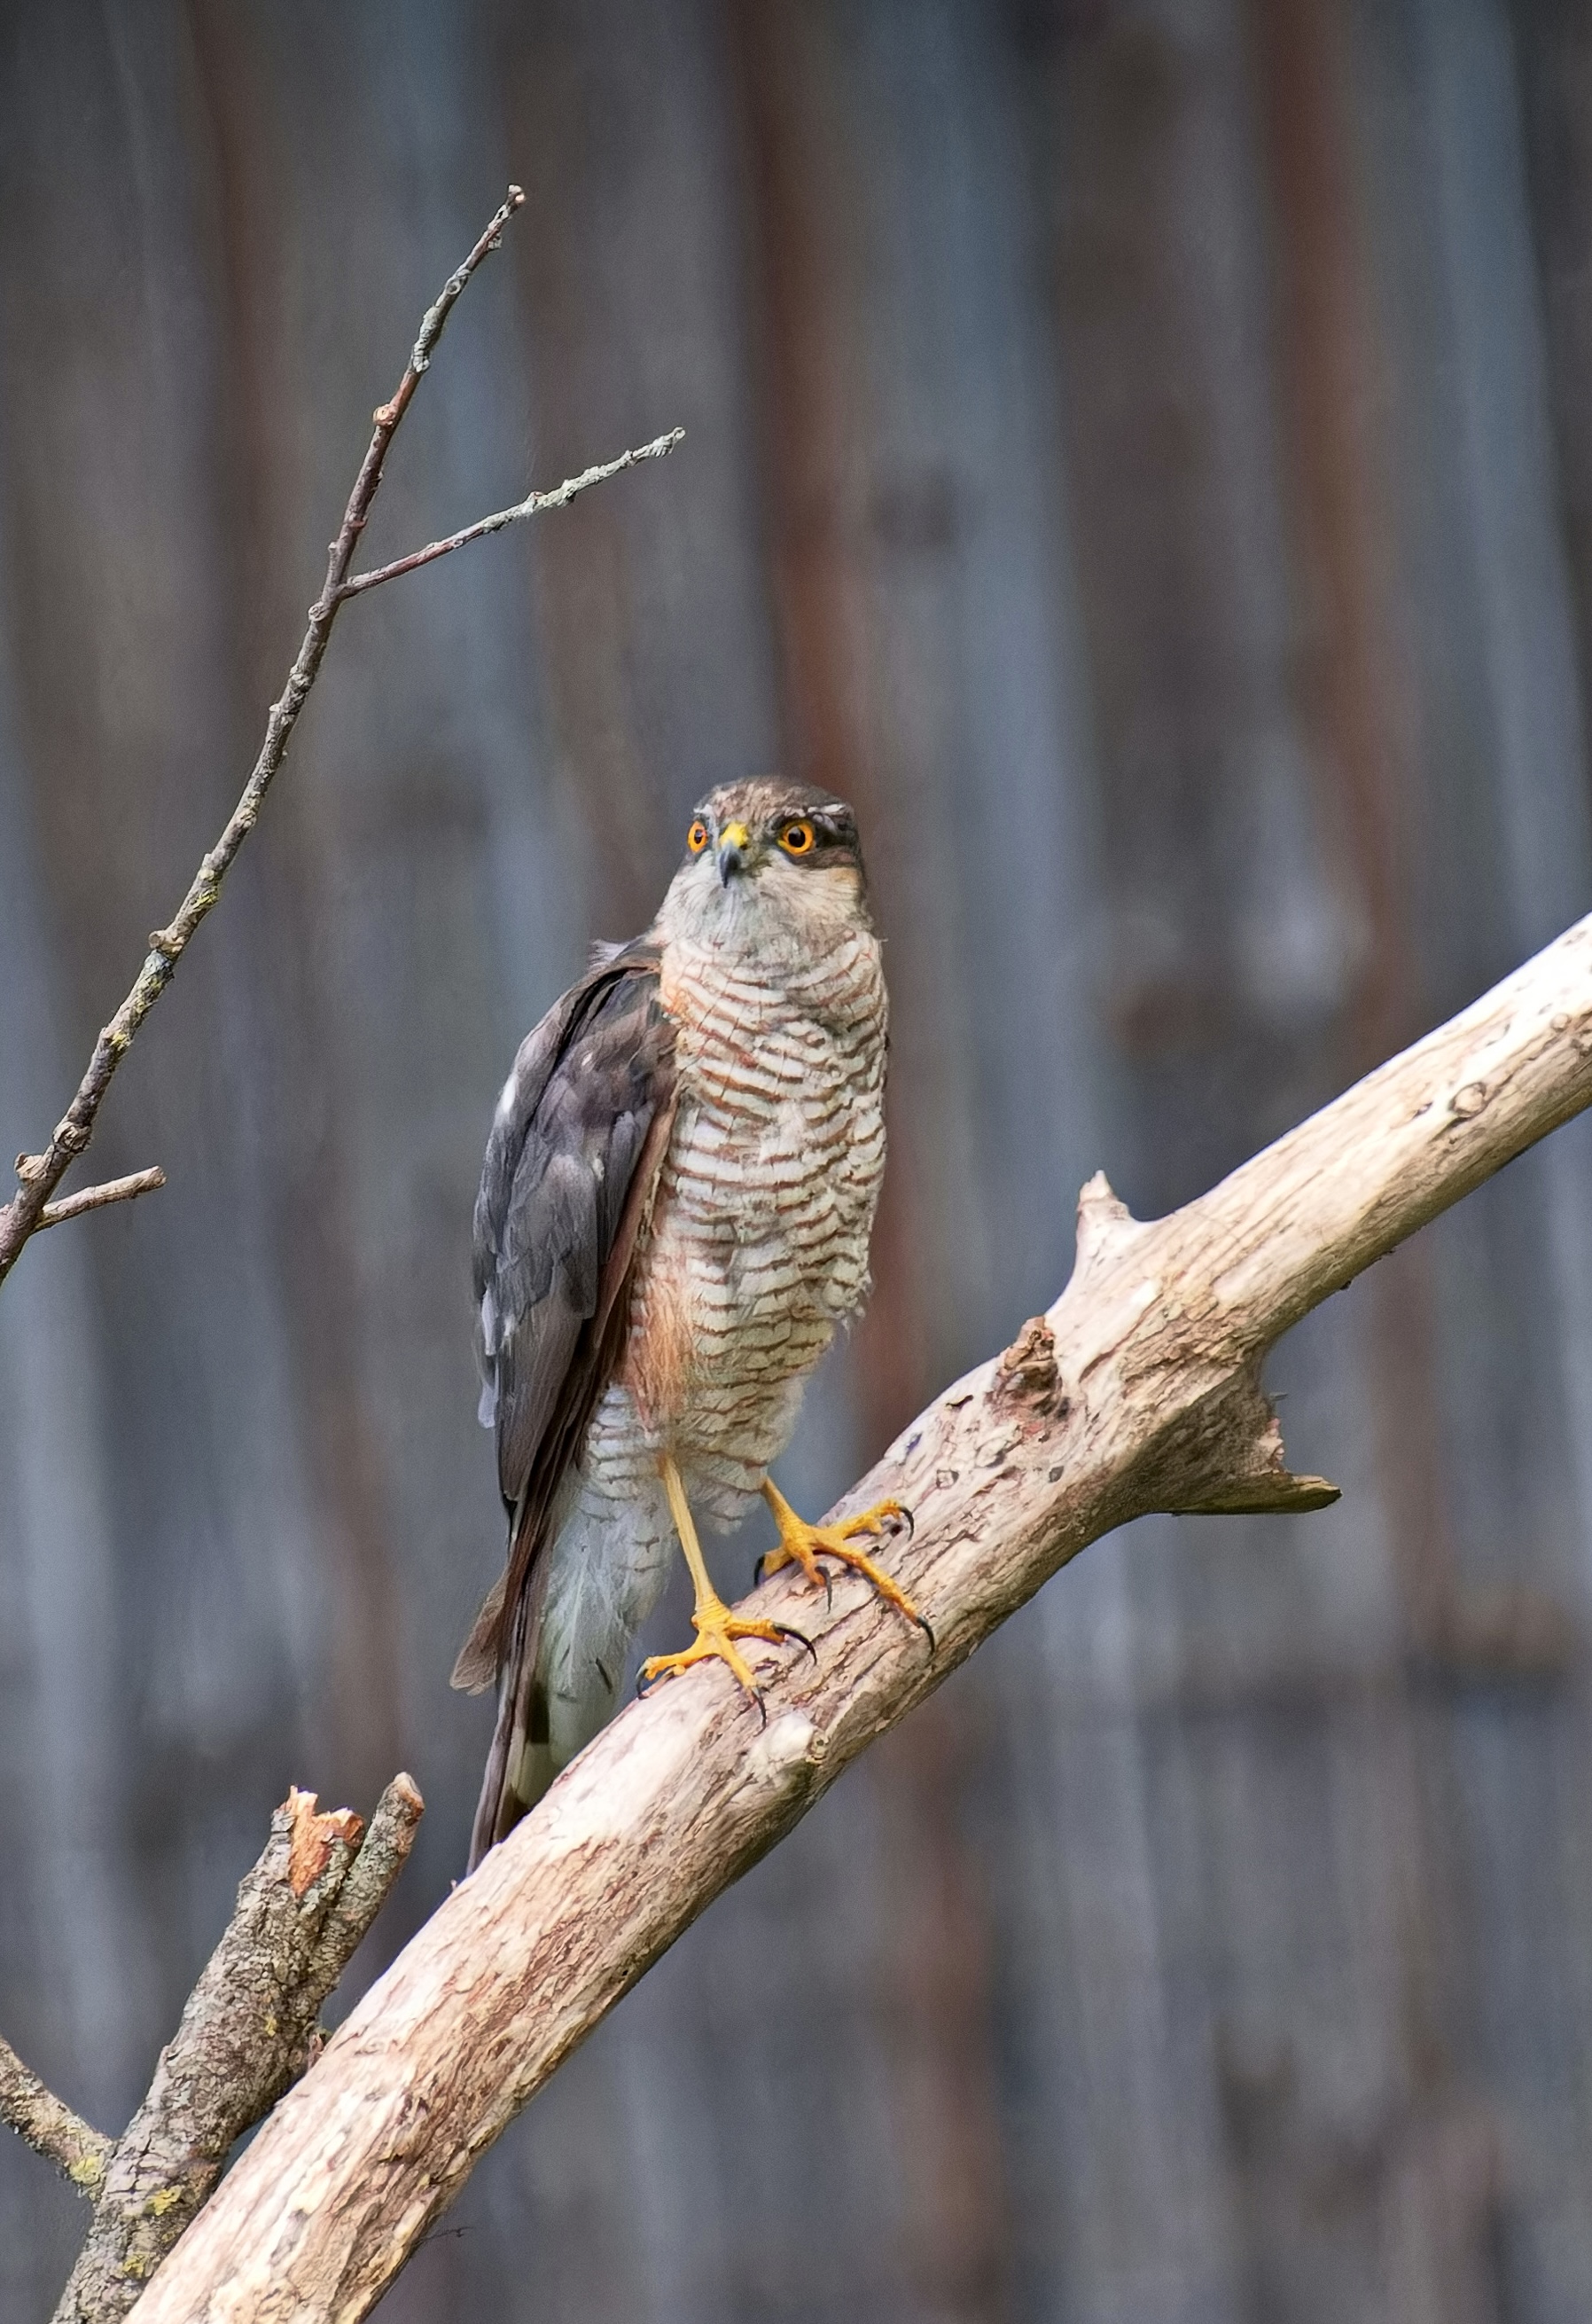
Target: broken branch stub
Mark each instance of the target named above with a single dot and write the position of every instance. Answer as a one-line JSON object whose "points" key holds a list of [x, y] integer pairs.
{"points": [[248, 2029], [1138, 1391], [78, 2152]]}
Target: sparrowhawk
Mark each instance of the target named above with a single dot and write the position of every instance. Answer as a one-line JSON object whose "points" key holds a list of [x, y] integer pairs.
{"points": [[674, 1218]]}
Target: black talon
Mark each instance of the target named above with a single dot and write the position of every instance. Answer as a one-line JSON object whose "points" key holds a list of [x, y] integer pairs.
{"points": [[757, 1572], [911, 1524], [785, 1631], [922, 1623]]}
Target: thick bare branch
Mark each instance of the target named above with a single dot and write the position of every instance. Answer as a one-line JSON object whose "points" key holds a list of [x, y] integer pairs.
{"points": [[1138, 1391], [248, 2030], [78, 2151], [534, 505], [95, 1198]]}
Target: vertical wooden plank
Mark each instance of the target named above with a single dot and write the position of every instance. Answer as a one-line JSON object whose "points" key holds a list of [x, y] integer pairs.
{"points": [[1436, 2180], [1186, 1958], [409, 916], [1257, 904], [1552, 46], [653, 608], [926, 619], [747, 2081], [160, 1505], [63, 1978], [1514, 1379], [111, 389]]}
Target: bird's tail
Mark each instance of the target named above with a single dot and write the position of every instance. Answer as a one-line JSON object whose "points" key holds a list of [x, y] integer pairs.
{"points": [[519, 1766], [561, 1662]]}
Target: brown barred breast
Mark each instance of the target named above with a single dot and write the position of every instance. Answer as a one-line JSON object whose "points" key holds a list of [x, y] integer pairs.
{"points": [[757, 1246]]}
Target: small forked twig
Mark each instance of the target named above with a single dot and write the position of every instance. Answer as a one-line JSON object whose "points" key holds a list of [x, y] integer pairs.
{"points": [[534, 504], [95, 1198]]}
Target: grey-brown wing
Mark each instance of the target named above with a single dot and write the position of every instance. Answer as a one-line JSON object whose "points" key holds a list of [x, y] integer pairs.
{"points": [[574, 1147]]}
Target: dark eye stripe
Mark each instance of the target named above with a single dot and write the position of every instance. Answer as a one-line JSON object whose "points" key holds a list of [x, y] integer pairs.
{"points": [[832, 833]]}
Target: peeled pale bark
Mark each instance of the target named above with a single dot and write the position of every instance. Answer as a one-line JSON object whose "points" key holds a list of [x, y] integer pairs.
{"points": [[1138, 1391]]}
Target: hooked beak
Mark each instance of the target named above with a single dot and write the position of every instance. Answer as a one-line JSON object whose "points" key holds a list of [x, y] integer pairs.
{"points": [[733, 842]]}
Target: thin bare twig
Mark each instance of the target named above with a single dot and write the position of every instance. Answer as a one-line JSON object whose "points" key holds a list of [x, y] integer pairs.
{"points": [[248, 2032], [40, 1173], [79, 2151], [534, 505], [95, 1198]]}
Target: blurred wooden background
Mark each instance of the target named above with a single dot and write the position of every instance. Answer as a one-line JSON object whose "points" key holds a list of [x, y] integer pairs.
{"points": [[1141, 452]]}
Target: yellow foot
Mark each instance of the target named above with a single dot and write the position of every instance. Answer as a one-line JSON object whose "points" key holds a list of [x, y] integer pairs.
{"points": [[803, 1544], [717, 1628]]}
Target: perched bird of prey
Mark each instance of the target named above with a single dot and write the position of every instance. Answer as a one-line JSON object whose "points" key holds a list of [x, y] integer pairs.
{"points": [[674, 1218]]}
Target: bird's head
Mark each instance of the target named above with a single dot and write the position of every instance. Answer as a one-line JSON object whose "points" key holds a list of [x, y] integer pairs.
{"points": [[769, 859]]}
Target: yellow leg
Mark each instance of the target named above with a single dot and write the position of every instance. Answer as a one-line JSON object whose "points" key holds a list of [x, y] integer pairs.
{"points": [[716, 1626], [803, 1544]]}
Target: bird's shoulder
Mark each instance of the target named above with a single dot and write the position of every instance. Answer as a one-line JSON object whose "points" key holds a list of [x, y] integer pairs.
{"points": [[574, 1143], [602, 1052]]}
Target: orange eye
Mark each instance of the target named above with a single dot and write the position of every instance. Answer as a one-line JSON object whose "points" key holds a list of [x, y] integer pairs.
{"points": [[697, 837], [799, 838]]}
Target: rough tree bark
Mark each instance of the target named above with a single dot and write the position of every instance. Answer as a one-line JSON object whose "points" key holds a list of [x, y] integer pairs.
{"points": [[79, 2152], [248, 2030], [1139, 1390]]}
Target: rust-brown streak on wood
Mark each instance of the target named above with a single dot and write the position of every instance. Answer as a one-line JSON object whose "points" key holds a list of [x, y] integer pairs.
{"points": [[935, 2002], [804, 206], [1357, 700], [1553, 57], [588, 581], [1357, 696], [1359, 708], [1353, 694], [1137, 1391], [808, 203]]}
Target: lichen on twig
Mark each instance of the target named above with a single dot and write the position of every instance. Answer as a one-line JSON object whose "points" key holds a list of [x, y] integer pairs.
{"points": [[48, 2124]]}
